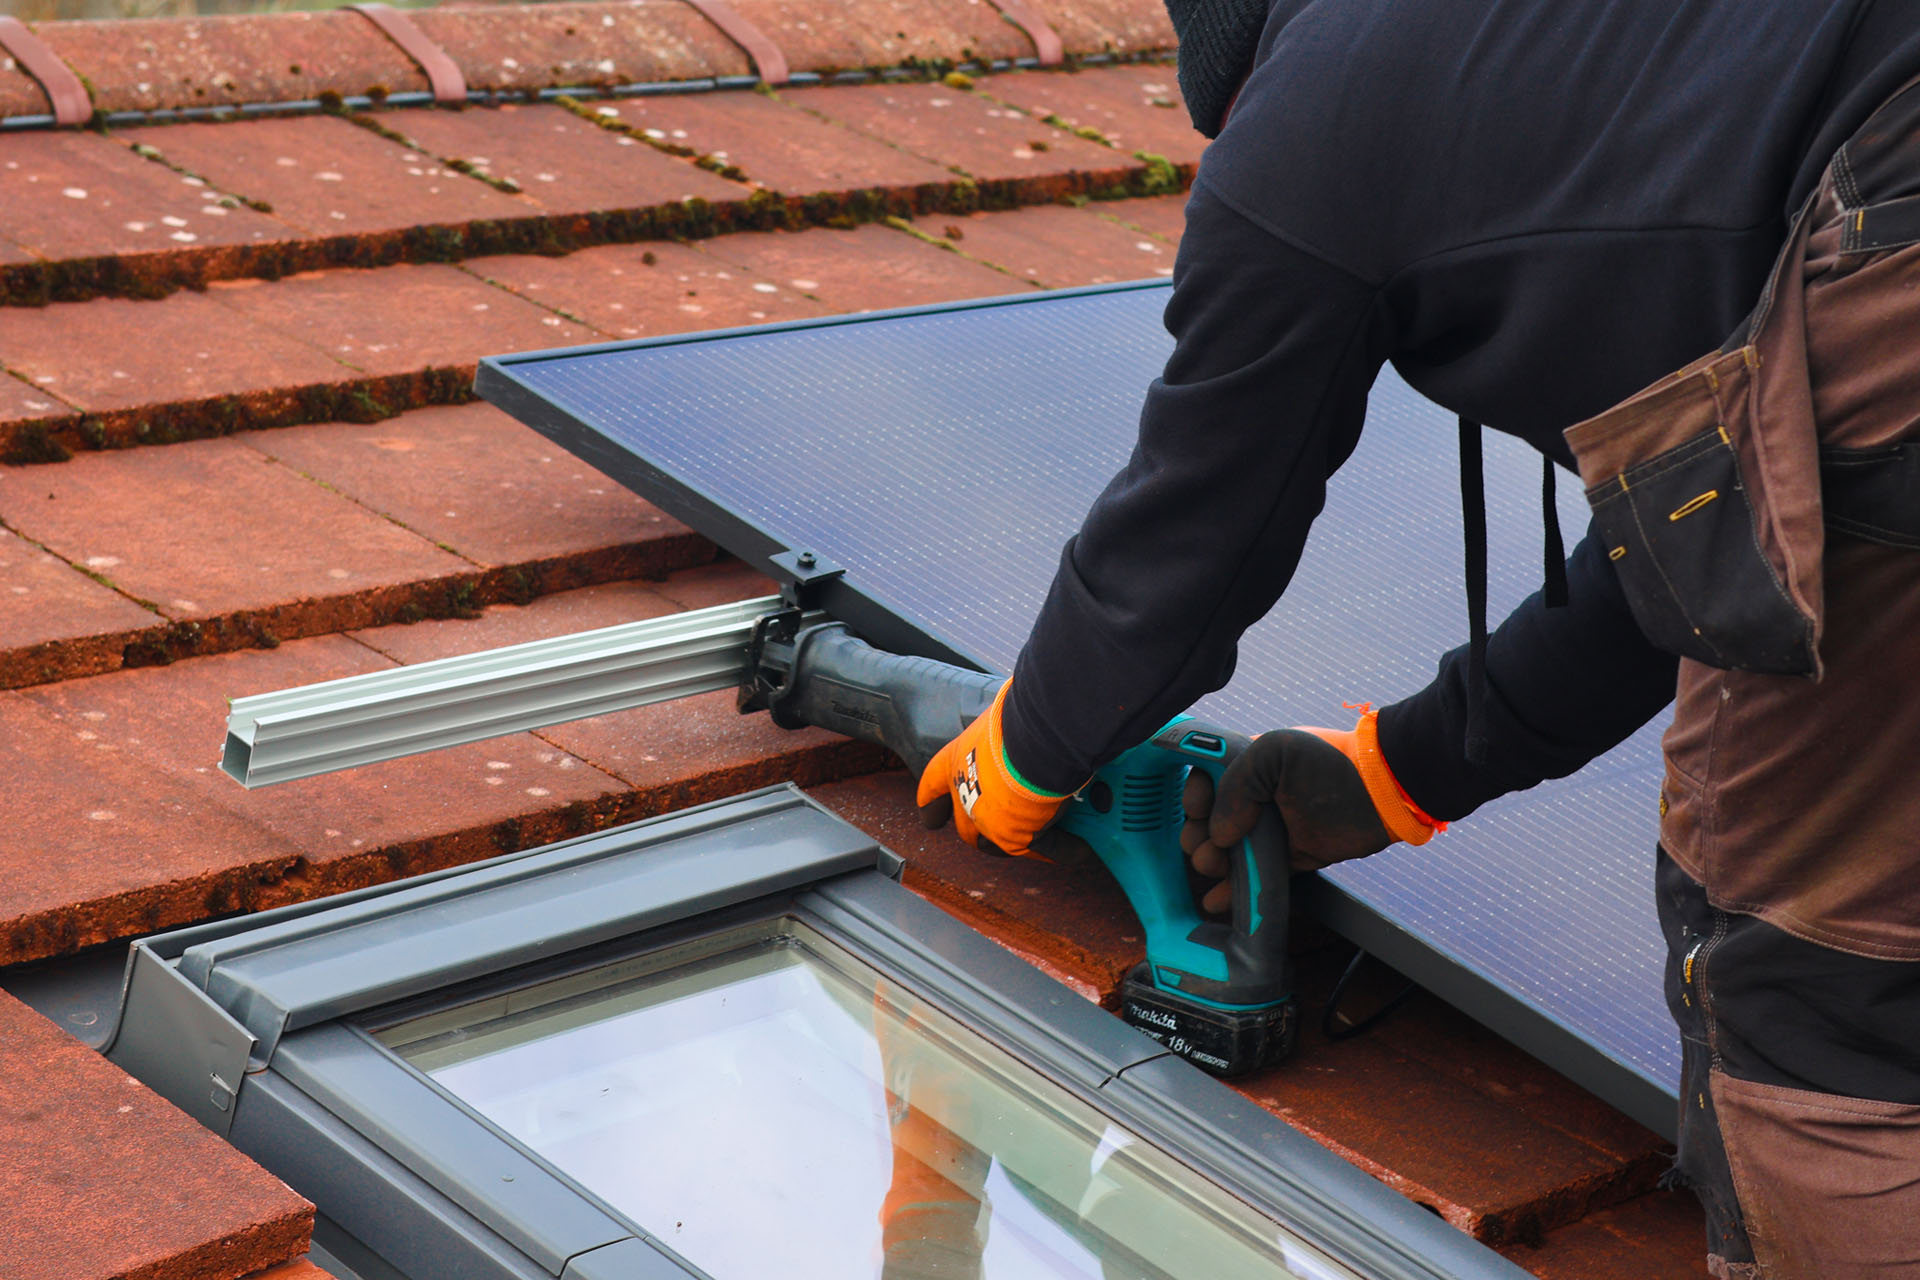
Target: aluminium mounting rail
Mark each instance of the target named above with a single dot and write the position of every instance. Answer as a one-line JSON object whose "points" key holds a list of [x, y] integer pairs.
{"points": [[340, 724]]}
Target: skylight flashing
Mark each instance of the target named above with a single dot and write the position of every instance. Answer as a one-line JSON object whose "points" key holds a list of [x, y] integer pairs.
{"points": [[410, 1174]]}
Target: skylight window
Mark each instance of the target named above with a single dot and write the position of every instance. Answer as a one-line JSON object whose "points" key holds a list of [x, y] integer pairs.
{"points": [[726, 1043], [790, 1112]]}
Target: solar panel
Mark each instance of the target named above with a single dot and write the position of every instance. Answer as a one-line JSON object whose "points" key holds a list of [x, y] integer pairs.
{"points": [[900, 445]]}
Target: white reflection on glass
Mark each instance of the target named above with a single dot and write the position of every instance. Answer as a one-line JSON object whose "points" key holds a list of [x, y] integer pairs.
{"points": [[766, 1105]]}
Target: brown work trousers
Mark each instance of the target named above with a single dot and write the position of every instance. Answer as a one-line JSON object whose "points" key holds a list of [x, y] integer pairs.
{"points": [[1789, 879]]}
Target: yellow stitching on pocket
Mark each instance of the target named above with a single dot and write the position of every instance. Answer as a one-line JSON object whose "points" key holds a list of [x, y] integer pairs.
{"points": [[1692, 505], [1725, 439], [1618, 553]]}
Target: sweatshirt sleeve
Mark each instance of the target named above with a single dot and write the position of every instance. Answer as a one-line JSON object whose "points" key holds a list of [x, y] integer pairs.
{"points": [[1564, 686], [1195, 539]]}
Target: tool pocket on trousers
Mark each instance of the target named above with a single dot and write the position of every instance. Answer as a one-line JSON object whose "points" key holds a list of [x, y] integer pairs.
{"points": [[1681, 526]]}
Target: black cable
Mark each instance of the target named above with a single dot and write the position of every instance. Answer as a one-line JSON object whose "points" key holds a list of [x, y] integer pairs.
{"points": [[1352, 1029]]}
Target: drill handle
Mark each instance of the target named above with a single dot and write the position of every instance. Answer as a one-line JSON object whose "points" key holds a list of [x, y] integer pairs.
{"points": [[831, 679], [1254, 941]]}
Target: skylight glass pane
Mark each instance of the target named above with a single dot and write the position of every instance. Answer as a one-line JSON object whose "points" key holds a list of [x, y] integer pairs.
{"points": [[766, 1105]]}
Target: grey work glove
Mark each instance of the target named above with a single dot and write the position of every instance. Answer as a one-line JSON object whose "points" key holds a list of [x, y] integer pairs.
{"points": [[1336, 797]]}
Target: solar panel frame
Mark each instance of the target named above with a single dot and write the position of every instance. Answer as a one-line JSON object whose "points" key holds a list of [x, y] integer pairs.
{"points": [[1635, 1072]]}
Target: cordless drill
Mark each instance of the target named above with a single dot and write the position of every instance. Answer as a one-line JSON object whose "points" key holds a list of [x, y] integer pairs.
{"points": [[1219, 993]]}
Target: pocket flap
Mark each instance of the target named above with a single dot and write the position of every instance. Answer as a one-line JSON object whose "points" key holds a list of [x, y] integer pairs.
{"points": [[1665, 415]]}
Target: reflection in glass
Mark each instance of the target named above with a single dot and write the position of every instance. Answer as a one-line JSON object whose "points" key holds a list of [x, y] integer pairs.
{"points": [[766, 1105]]}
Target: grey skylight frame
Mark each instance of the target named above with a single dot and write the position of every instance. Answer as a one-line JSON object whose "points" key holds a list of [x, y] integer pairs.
{"points": [[254, 1027]]}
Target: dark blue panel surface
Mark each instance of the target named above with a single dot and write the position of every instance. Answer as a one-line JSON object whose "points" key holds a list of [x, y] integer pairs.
{"points": [[942, 456]]}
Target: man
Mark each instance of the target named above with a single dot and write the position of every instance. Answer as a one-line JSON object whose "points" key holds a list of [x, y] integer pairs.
{"points": [[1533, 209]]}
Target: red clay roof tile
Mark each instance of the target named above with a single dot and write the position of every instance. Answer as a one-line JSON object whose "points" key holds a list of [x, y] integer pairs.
{"points": [[349, 829], [562, 163], [636, 291], [883, 33], [777, 145], [101, 844], [104, 1180], [1161, 216], [21, 401], [867, 268], [1118, 26], [474, 481], [1121, 103], [329, 177], [399, 319], [46, 604], [79, 195], [214, 527], [508, 48], [1657, 1236], [144, 64], [1014, 158], [1056, 246]]}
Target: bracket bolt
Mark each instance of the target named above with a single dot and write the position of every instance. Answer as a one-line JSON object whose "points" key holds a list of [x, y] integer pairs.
{"points": [[805, 560]]}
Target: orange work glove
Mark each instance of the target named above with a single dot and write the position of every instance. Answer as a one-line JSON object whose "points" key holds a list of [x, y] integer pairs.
{"points": [[990, 803], [1335, 793]]}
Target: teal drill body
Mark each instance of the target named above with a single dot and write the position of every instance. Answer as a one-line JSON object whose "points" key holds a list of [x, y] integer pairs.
{"points": [[1216, 991]]}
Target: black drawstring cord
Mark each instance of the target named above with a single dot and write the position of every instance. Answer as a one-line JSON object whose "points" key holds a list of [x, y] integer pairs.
{"points": [[1554, 592], [1473, 513]]}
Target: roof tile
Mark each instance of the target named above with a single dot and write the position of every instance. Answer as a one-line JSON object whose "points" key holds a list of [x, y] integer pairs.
{"points": [[1657, 1236], [518, 47], [46, 606], [180, 366], [475, 481], [1073, 918], [562, 163], [884, 33], [213, 528], [1014, 158], [102, 845], [330, 177], [21, 401], [634, 291], [1117, 26], [143, 64], [777, 145], [870, 267], [1121, 102], [348, 829], [20, 93], [81, 196], [398, 319], [1162, 216], [104, 1179], [1056, 246]]}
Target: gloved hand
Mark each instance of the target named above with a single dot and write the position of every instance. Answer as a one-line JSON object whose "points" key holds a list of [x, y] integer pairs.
{"points": [[1335, 793], [972, 780]]}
